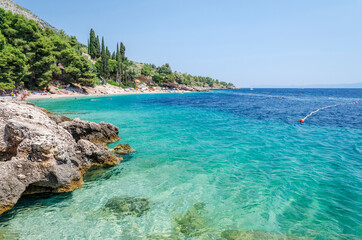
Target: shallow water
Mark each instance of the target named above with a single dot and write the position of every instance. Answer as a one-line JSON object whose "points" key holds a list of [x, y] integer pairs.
{"points": [[212, 162]]}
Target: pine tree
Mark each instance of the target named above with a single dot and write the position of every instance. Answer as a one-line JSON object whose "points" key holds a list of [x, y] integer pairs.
{"points": [[114, 55], [2, 18]]}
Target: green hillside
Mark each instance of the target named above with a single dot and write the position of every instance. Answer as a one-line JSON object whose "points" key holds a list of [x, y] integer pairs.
{"points": [[34, 57]]}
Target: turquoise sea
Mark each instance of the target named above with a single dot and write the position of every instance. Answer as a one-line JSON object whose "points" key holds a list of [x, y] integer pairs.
{"points": [[228, 164]]}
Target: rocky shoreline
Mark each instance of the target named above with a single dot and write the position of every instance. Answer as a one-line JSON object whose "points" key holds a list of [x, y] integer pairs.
{"points": [[83, 91], [41, 152]]}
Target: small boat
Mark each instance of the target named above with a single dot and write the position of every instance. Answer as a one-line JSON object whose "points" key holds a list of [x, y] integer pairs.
{"points": [[251, 89]]}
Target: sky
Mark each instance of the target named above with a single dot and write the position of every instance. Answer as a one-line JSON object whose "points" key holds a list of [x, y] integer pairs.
{"points": [[259, 43]]}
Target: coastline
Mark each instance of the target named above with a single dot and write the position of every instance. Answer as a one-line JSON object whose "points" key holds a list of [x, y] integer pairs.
{"points": [[97, 91], [76, 95]]}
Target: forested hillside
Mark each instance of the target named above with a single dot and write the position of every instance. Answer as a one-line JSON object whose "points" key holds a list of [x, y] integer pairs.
{"points": [[33, 57], [117, 69]]}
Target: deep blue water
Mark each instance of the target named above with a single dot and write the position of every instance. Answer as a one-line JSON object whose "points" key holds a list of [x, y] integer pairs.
{"points": [[212, 163], [285, 105]]}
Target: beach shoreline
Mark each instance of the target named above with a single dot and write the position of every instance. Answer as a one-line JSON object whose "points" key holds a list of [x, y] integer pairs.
{"points": [[80, 95], [98, 91]]}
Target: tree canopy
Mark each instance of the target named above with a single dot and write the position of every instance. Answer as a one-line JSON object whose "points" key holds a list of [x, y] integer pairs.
{"points": [[32, 57]]}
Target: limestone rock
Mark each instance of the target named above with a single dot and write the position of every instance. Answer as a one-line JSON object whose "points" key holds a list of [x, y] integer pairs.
{"points": [[59, 118], [96, 133], [38, 155], [123, 149], [97, 153]]}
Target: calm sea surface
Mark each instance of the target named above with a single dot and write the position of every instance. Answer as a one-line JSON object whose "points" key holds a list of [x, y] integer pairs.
{"points": [[229, 164]]}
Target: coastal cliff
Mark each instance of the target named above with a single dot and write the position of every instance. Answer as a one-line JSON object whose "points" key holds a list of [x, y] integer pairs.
{"points": [[41, 152]]}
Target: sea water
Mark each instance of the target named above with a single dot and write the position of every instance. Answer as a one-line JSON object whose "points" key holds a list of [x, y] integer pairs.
{"points": [[228, 164]]}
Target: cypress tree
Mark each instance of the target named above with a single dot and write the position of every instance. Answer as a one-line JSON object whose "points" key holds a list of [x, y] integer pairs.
{"points": [[118, 58], [117, 53], [108, 53], [105, 59], [97, 47], [123, 58], [103, 49], [123, 52], [103, 54], [92, 41]]}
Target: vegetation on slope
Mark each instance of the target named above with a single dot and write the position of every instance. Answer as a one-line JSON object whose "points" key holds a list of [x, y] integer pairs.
{"points": [[116, 68], [32, 57]]}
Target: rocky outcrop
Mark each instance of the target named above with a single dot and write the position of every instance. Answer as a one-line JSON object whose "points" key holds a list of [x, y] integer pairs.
{"points": [[38, 155], [59, 118], [96, 133], [122, 149], [194, 88], [97, 153]]}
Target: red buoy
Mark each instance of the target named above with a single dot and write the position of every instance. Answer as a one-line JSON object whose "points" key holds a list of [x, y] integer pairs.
{"points": [[356, 102], [301, 120]]}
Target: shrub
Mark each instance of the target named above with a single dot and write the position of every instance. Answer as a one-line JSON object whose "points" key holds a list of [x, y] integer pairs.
{"points": [[112, 82]]}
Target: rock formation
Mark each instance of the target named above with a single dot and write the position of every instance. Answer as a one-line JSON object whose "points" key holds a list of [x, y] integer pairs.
{"points": [[9, 5], [93, 132], [39, 155], [122, 149]]}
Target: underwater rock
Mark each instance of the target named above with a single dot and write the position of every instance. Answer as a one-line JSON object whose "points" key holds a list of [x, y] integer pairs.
{"points": [[257, 235], [128, 206], [123, 149], [37, 155], [192, 224], [6, 233]]}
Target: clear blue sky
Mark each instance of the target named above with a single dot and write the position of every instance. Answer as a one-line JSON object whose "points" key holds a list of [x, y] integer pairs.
{"points": [[250, 43]]}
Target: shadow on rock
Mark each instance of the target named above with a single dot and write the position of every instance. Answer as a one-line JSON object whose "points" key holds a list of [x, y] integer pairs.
{"points": [[97, 172], [35, 201], [127, 157]]}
